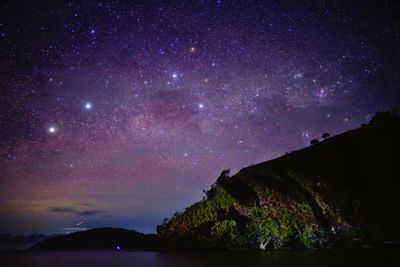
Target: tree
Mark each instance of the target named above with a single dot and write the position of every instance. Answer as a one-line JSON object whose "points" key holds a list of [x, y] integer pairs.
{"points": [[224, 176], [314, 141], [382, 118], [325, 136], [267, 225]]}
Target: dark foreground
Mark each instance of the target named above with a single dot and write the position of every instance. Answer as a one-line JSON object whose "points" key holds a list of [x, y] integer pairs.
{"points": [[107, 258]]}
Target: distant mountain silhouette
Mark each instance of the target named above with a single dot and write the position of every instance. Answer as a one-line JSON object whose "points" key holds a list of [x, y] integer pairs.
{"points": [[9, 242], [100, 238], [341, 190]]}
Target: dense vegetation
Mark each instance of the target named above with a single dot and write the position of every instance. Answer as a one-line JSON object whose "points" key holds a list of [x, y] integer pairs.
{"points": [[341, 191]]}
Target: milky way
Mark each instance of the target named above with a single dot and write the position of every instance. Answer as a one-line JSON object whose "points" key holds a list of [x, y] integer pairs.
{"points": [[119, 114]]}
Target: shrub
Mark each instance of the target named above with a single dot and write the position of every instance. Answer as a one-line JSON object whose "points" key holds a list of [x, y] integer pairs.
{"points": [[347, 235], [305, 237], [226, 231], [218, 201]]}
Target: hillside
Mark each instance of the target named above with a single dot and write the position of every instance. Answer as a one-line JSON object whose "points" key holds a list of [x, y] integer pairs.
{"points": [[100, 238], [341, 191]]}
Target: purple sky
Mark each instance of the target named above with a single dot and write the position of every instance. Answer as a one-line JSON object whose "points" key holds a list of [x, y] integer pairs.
{"points": [[119, 114]]}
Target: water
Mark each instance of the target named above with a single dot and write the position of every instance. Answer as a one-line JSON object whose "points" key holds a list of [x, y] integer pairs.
{"points": [[359, 257]]}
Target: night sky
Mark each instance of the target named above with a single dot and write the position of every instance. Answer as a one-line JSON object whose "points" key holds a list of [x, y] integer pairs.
{"points": [[115, 113]]}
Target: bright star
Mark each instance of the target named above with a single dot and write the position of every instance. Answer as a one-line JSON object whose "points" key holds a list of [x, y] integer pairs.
{"points": [[88, 105], [52, 129], [174, 75], [201, 105]]}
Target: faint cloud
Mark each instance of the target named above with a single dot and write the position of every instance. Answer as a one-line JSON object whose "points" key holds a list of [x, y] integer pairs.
{"points": [[61, 209], [77, 212], [90, 212], [86, 204]]}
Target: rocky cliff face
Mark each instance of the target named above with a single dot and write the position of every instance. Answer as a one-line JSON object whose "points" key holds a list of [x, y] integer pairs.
{"points": [[343, 190]]}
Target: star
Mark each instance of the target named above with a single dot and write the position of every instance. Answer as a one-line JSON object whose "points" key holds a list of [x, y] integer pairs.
{"points": [[52, 129], [201, 105], [174, 75], [88, 105]]}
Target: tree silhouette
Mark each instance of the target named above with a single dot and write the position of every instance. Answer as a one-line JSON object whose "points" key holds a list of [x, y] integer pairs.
{"points": [[314, 141], [224, 176], [325, 136], [382, 118]]}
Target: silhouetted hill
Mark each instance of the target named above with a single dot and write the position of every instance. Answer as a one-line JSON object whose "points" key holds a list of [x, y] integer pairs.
{"points": [[9, 242], [342, 190], [100, 238]]}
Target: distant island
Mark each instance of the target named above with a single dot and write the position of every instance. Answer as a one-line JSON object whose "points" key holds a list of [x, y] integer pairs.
{"points": [[341, 191], [99, 238]]}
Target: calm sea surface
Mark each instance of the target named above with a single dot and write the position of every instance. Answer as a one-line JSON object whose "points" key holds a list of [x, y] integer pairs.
{"points": [[359, 257]]}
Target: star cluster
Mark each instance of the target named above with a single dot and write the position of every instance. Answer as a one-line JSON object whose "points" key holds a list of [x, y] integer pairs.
{"points": [[120, 113]]}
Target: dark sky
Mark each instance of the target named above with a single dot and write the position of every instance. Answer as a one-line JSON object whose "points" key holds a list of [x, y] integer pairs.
{"points": [[119, 113]]}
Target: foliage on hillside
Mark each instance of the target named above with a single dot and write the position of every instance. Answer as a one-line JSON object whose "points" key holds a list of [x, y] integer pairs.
{"points": [[189, 225], [220, 221], [327, 194]]}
